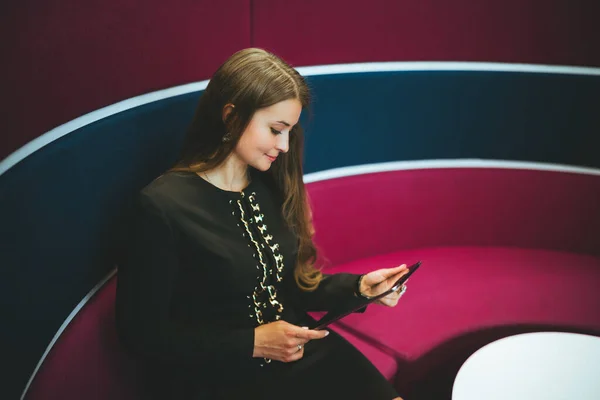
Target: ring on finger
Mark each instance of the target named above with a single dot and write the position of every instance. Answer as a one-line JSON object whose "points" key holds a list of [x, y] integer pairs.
{"points": [[299, 347]]}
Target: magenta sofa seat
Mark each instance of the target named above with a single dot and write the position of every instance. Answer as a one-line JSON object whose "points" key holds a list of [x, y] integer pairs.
{"points": [[87, 361], [461, 291]]}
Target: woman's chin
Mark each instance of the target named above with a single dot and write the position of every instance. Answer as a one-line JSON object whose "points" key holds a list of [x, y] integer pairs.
{"points": [[263, 166]]}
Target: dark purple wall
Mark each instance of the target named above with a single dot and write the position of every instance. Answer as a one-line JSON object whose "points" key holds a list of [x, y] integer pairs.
{"points": [[65, 58]]}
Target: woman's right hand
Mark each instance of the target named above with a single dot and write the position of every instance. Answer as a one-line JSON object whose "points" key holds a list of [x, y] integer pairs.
{"points": [[283, 341]]}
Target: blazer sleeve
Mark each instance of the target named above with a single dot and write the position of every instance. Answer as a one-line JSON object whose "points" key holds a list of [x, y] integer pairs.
{"points": [[145, 286], [335, 291]]}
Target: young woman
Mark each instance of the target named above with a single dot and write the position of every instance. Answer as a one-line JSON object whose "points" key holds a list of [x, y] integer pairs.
{"points": [[220, 274]]}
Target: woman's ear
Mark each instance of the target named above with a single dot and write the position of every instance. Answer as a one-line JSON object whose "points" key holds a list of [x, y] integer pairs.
{"points": [[227, 110]]}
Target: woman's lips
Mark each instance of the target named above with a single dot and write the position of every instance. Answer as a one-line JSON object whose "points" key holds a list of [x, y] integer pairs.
{"points": [[271, 158]]}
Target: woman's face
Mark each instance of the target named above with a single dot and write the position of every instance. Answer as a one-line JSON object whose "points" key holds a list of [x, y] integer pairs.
{"points": [[268, 134]]}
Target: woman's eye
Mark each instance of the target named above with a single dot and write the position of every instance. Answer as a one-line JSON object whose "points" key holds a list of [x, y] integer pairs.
{"points": [[275, 131]]}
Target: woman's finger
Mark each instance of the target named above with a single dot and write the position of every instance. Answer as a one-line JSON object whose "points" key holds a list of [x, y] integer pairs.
{"points": [[388, 302], [389, 282], [381, 280], [393, 278], [391, 300], [386, 273], [402, 289], [308, 334], [295, 356]]}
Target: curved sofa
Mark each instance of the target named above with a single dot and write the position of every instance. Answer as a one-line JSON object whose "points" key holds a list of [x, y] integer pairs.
{"points": [[507, 251], [507, 246], [504, 251]]}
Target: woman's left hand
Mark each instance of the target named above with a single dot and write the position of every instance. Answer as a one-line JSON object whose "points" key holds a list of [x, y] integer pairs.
{"points": [[379, 281]]}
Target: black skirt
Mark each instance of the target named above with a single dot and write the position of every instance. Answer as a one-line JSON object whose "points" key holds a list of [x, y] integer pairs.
{"points": [[331, 368]]}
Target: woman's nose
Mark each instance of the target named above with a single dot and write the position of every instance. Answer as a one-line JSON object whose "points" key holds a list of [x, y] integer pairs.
{"points": [[283, 142]]}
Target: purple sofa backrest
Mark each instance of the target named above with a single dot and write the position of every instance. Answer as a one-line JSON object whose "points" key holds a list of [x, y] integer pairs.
{"points": [[365, 215]]}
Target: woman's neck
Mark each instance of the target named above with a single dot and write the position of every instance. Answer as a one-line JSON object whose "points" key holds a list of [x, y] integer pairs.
{"points": [[231, 175]]}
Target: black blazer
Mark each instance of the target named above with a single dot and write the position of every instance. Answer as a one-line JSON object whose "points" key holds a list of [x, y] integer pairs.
{"points": [[187, 296]]}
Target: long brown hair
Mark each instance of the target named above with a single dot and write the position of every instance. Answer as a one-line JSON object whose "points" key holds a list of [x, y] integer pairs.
{"points": [[252, 79]]}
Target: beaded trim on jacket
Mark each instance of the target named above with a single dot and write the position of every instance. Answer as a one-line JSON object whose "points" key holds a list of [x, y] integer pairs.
{"points": [[270, 261]]}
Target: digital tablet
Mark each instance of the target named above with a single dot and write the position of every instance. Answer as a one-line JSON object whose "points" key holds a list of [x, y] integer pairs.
{"points": [[333, 316]]}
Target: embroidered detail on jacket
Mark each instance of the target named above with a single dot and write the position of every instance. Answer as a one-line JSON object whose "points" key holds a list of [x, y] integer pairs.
{"points": [[265, 248]]}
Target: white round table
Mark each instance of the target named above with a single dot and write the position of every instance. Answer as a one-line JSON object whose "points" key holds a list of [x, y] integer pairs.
{"points": [[531, 366]]}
